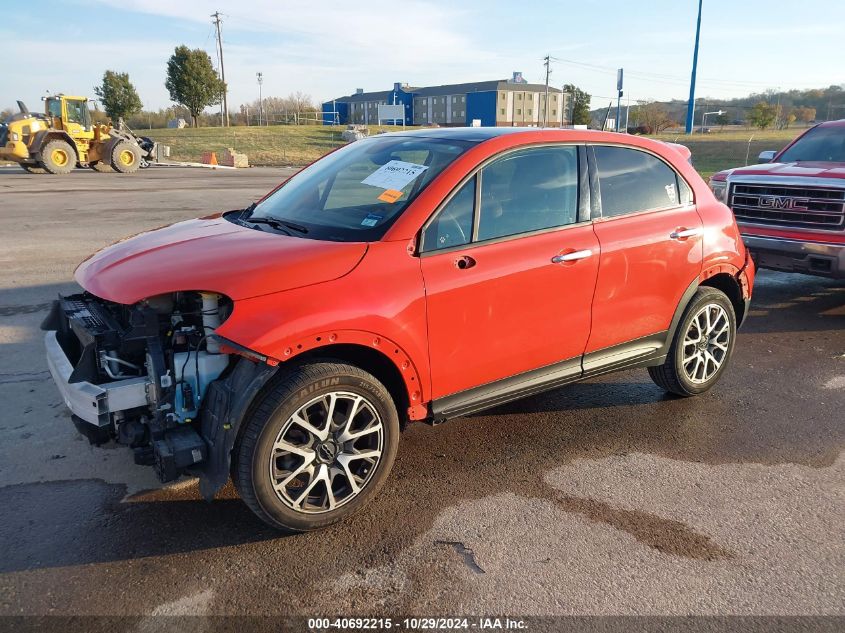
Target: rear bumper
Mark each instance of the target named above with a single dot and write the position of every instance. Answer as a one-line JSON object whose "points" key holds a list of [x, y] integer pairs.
{"points": [[811, 258], [92, 403]]}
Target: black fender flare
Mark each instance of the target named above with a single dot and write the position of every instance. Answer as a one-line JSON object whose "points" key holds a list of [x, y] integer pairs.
{"points": [[676, 318], [41, 138], [224, 408]]}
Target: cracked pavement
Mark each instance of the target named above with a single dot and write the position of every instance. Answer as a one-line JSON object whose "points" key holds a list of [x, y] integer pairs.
{"points": [[605, 497]]}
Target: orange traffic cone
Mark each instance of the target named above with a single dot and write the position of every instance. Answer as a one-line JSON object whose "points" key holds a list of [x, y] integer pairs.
{"points": [[209, 158]]}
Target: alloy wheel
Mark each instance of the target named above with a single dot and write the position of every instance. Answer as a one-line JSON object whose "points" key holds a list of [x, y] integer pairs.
{"points": [[706, 343], [326, 452]]}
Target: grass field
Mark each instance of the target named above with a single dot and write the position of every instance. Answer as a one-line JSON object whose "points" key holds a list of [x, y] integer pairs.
{"points": [[282, 145], [291, 145]]}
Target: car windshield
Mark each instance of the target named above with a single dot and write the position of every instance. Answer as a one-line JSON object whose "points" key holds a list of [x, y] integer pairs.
{"points": [[357, 192], [821, 144]]}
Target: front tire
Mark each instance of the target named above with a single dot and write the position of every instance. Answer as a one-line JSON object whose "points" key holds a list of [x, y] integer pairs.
{"points": [[702, 345], [317, 447], [126, 157]]}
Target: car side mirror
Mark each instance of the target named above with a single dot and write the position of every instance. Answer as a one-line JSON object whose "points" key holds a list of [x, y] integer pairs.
{"points": [[767, 156]]}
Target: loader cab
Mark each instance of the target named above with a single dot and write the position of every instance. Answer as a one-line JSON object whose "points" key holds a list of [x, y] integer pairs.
{"points": [[70, 114]]}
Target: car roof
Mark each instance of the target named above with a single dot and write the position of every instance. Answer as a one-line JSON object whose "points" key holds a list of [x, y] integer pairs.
{"points": [[479, 134], [838, 123]]}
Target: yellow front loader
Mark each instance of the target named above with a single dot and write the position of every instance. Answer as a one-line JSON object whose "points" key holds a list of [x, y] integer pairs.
{"points": [[65, 137]]}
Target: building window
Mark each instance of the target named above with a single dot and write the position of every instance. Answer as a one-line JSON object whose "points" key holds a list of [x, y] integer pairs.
{"points": [[554, 98], [504, 96], [503, 110], [519, 111], [519, 97], [554, 112], [463, 99], [529, 111]]}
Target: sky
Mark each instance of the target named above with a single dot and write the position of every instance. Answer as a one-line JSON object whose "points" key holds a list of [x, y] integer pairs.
{"points": [[328, 48]]}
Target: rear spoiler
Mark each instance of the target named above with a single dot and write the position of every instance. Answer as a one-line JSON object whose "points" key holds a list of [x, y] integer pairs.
{"points": [[683, 150]]}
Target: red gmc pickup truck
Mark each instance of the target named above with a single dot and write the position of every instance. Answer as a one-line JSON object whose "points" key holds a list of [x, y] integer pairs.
{"points": [[791, 208]]}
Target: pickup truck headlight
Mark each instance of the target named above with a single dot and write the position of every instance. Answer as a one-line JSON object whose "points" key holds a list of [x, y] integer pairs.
{"points": [[15, 136], [720, 190]]}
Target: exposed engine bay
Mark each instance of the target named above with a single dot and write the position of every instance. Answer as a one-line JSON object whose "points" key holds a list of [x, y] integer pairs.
{"points": [[138, 374]]}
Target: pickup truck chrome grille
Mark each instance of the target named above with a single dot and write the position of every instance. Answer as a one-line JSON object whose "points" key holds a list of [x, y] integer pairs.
{"points": [[789, 206]]}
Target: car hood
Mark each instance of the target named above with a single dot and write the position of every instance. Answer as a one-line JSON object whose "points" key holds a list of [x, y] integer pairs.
{"points": [[216, 255], [802, 169]]}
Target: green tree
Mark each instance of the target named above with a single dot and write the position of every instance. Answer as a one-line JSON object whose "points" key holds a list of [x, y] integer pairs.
{"points": [[118, 95], [762, 115], [580, 107], [192, 80]]}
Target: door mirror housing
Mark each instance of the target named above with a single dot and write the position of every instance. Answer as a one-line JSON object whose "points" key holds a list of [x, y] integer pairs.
{"points": [[767, 156]]}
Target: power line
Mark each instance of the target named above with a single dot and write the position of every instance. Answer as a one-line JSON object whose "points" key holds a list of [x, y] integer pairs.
{"points": [[216, 16]]}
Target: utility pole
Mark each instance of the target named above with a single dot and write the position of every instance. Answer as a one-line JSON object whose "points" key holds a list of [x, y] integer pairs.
{"points": [[691, 104], [546, 59], [216, 16], [260, 77], [619, 77]]}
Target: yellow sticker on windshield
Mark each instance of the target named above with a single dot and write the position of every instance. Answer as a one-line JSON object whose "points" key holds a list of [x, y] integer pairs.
{"points": [[390, 195]]}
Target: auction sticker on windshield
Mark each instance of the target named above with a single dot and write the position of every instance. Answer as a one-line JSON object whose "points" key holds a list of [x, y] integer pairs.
{"points": [[394, 175]]}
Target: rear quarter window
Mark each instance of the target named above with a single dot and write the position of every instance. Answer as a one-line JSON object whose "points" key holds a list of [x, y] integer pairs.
{"points": [[631, 180]]}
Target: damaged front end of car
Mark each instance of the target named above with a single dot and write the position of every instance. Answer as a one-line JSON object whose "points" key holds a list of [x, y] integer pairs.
{"points": [[139, 374]]}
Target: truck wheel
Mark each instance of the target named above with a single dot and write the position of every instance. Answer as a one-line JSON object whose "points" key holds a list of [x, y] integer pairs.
{"points": [[33, 169], [317, 447], [102, 167], [58, 157], [126, 157], [702, 345]]}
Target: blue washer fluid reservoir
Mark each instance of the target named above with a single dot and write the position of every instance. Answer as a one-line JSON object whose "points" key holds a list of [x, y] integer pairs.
{"points": [[190, 394]]}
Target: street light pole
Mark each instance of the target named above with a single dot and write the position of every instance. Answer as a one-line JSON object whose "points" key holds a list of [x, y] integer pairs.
{"points": [[691, 104], [260, 77], [704, 118]]}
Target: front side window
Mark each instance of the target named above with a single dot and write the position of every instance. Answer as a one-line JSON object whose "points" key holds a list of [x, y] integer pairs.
{"points": [[631, 180], [453, 224], [355, 193], [529, 190], [74, 111]]}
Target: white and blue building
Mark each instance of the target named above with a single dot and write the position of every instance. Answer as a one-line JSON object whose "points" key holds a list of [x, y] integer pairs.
{"points": [[499, 102]]}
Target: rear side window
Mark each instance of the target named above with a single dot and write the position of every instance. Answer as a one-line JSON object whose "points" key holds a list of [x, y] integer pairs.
{"points": [[529, 190], [631, 181]]}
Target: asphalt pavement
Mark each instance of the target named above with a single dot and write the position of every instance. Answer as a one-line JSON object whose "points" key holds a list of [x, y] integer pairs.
{"points": [[605, 497]]}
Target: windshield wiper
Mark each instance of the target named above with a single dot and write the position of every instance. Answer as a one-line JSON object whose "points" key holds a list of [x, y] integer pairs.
{"points": [[296, 227], [276, 224]]}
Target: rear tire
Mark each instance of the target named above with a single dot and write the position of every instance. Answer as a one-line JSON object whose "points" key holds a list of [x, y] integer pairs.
{"points": [[58, 157], [33, 169], [300, 469], [126, 157], [702, 345]]}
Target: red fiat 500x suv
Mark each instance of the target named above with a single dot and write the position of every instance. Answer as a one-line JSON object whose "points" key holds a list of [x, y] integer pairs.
{"points": [[411, 276]]}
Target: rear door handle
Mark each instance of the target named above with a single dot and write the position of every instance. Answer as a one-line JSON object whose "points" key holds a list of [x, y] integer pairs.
{"points": [[464, 262], [571, 257], [682, 234]]}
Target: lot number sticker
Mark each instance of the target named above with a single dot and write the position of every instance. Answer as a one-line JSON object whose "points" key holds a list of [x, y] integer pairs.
{"points": [[394, 175]]}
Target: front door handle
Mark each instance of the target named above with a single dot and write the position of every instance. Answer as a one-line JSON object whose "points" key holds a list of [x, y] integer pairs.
{"points": [[682, 234], [571, 257]]}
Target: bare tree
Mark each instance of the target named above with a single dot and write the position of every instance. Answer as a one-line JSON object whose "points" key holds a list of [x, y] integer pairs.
{"points": [[654, 117]]}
